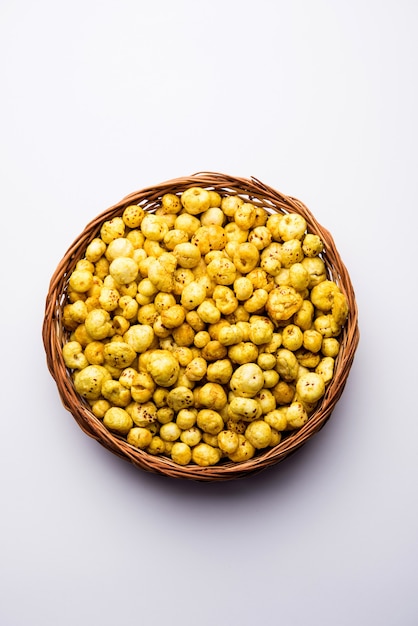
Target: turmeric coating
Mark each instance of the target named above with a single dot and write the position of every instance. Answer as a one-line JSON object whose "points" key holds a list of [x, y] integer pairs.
{"points": [[205, 331]]}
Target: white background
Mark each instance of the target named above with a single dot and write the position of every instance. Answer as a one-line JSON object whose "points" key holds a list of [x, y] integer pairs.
{"points": [[318, 99]]}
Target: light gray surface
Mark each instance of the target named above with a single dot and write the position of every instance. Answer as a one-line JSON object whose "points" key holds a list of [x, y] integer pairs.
{"points": [[317, 99]]}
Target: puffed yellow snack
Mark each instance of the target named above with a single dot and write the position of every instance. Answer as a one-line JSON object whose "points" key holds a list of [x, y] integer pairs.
{"points": [[74, 357], [99, 407], [179, 398], [228, 441], [170, 431], [214, 350], [245, 216], [119, 354], [173, 317], [261, 330], [210, 421], [225, 299], [181, 453], [195, 200], [171, 203], [234, 235], [339, 309], [292, 226], [133, 215], [298, 277], [139, 337], [327, 326], [205, 455], [163, 367], [214, 215], [153, 227], [243, 288], [258, 433], [160, 272], [292, 337], [244, 451], [246, 257], [222, 271], [325, 368], [141, 385], [266, 399], [74, 314], [270, 259], [81, 280], [291, 252], [121, 246], [212, 440], [257, 301], [322, 295], [151, 249], [95, 250], [188, 254], [137, 239], [123, 269], [139, 437], [186, 418], [260, 237], [163, 301], [286, 364], [94, 352], [243, 352], [126, 311], [142, 414], [191, 436], [230, 204], [312, 245], [261, 216], [271, 378], [315, 267], [310, 387], [112, 229], [247, 380], [118, 420], [193, 295], [209, 237], [277, 418], [211, 395], [157, 446], [312, 340], [220, 371], [276, 438], [330, 346], [147, 314], [196, 369], [296, 415], [283, 302], [175, 237], [109, 298], [116, 393], [209, 312], [304, 316], [244, 408], [88, 381], [230, 335], [210, 324], [266, 360]]}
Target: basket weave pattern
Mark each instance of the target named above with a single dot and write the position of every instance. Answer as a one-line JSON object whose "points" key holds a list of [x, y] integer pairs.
{"points": [[55, 336]]}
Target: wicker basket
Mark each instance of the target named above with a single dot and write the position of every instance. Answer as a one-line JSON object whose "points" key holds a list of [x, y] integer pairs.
{"points": [[54, 336]]}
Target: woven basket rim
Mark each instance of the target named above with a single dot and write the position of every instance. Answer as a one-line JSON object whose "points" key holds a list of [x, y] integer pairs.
{"points": [[53, 334]]}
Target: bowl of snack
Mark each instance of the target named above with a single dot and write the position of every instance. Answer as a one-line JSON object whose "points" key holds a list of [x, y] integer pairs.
{"points": [[202, 328]]}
